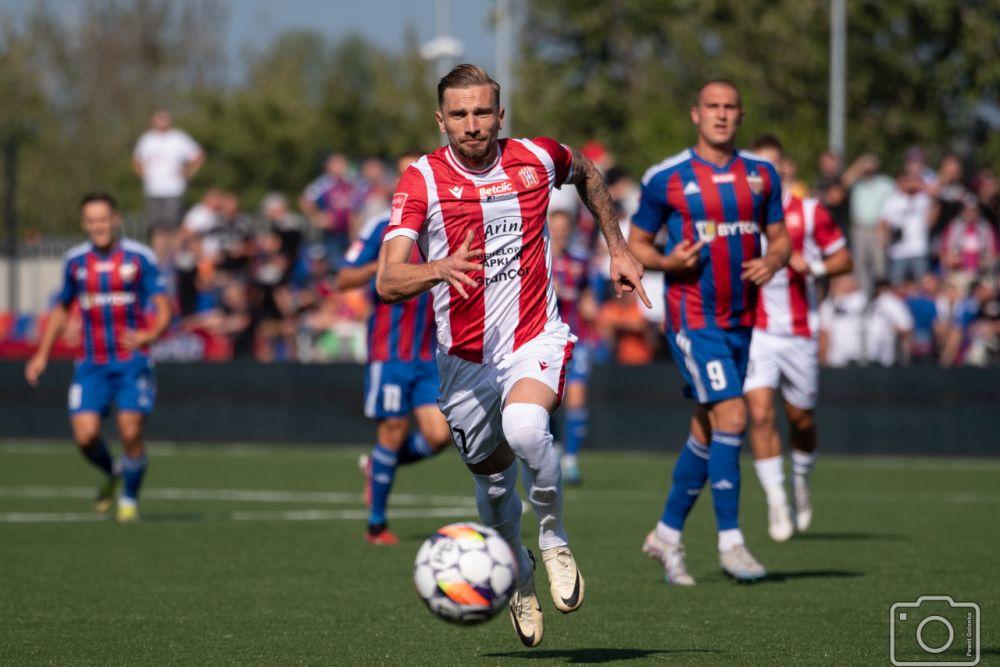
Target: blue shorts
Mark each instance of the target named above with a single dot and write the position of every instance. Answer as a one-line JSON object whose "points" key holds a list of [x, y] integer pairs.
{"points": [[394, 388], [129, 385], [712, 361], [579, 365]]}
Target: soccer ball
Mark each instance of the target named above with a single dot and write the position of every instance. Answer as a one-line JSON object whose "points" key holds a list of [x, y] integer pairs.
{"points": [[464, 573]]}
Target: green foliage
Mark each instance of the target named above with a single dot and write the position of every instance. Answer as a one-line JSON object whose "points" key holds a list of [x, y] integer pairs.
{"points": [[625, 72]]}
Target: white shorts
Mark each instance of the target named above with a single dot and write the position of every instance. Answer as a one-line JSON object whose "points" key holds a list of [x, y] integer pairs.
{"points": [[789, 363], [472, 395]]}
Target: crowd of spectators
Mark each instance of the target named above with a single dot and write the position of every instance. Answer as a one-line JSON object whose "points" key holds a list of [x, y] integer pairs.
{"points": [[258, 279]]}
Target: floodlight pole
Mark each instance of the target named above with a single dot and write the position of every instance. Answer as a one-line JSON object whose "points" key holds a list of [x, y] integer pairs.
{"points": [[504, 53], [838, 73], [10, 220]]}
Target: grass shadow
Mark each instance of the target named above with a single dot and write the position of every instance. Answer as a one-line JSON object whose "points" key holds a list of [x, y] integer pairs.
{"points": [[849, 536], [172, 517], [591, 656], [812, 574]]}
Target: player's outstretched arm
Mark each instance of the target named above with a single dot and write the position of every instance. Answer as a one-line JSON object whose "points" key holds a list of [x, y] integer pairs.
{"points": [[351, 277], [779, 249], [40, 360], [134, 339], [398, 279], [626, 271], [683, 258]]}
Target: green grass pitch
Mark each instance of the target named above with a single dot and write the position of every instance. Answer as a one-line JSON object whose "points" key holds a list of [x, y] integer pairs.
{"points": [[255, 555]]}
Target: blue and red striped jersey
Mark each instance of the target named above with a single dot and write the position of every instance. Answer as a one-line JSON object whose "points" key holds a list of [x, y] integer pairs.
{"points": [[401, 332], [726, 206], [114, 290], [571, 275]]}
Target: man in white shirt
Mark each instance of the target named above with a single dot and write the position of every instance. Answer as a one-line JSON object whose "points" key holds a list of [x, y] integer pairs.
{"points": [[165, 158], [906, 218], [868, 194], [888, 328], [841, 316]]}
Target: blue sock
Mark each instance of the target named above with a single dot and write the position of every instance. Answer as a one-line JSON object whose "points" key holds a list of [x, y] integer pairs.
{"points": [[724, 473], [383, 472], [690, 473], [133, 470], [414, 449], [98, 454], [576, 429]]}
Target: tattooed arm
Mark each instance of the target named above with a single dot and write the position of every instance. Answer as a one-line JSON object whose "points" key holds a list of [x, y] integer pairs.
{"points": [[626, 271]]}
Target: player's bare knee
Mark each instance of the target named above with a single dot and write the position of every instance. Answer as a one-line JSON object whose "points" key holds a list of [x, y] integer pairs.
{"points": [[392, 433], [730, 416], [799, 419]]}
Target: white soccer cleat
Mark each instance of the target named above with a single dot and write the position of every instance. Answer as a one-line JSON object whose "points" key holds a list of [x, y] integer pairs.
{"points": [[525, 612], [779, 522], [740, 564], [671, 556], [803, 507], [565, 582]]}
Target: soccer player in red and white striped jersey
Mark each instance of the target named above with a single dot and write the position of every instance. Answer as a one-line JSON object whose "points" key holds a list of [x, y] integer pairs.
{"points": [[784, 352], [477, 210]]}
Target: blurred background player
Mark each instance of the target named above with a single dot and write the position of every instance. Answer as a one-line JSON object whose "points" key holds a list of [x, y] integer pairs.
{"points": [[116, 282], [784, 351], [578, 309], [401, 376], [477, 210], [712, 200]]}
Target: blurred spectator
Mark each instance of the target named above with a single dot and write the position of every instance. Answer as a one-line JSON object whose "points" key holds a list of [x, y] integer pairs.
{"points": [[841, 316], [230, 245], [987, 190], [624, 328], [272, 301], [290, 228], [915, 164], [949, 194], [975, 329], [373, 190], [928, 323], [328, 202], [888, 327], [165, 158], [201, 219], [968, 246], [868, 195], [906, 217]]}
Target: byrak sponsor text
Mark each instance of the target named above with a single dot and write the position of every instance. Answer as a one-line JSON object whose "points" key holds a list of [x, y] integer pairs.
{"points": [[90, 300], [709, 230]]}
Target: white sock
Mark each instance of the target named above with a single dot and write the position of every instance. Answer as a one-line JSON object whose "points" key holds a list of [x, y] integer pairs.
{"points": [[730, 538], [128, 502], [668, 534], [500, 508], [771, 474], [526, 429], [569, 460], [802, 465]]}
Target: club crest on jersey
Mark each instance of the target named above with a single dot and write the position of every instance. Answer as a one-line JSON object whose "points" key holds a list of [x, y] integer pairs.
{"points": [[398, 200], [706, 230], [127, 272], [755, 182], [499, 191], [709, 230], [528, 176]]}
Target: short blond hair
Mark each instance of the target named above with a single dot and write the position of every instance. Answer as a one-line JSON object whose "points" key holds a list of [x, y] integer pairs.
{"points": [[465, 76]]}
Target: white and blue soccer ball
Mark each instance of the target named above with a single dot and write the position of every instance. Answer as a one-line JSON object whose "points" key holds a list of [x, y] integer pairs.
{"points": [[465, 573]]}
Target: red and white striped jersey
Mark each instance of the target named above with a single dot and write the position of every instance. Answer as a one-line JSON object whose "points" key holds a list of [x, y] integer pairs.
{"points": [[438, 201], [787, 304]]}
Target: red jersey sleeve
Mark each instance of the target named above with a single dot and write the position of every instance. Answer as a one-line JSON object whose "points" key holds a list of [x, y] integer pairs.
{"points": [[827, 233], [409, 206], [562, 157]]}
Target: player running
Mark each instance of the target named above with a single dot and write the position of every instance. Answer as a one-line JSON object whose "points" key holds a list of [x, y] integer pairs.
{"points": [[401, 377], [716, 203], [784, 352], [578, 309], [115, 281], [476, 209]]}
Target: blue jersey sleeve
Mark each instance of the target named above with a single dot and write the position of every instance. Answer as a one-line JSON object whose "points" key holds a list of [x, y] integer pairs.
{"points": [[365, 249], [152, 280], [68, 291], [652, 208], [775, 211]]}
